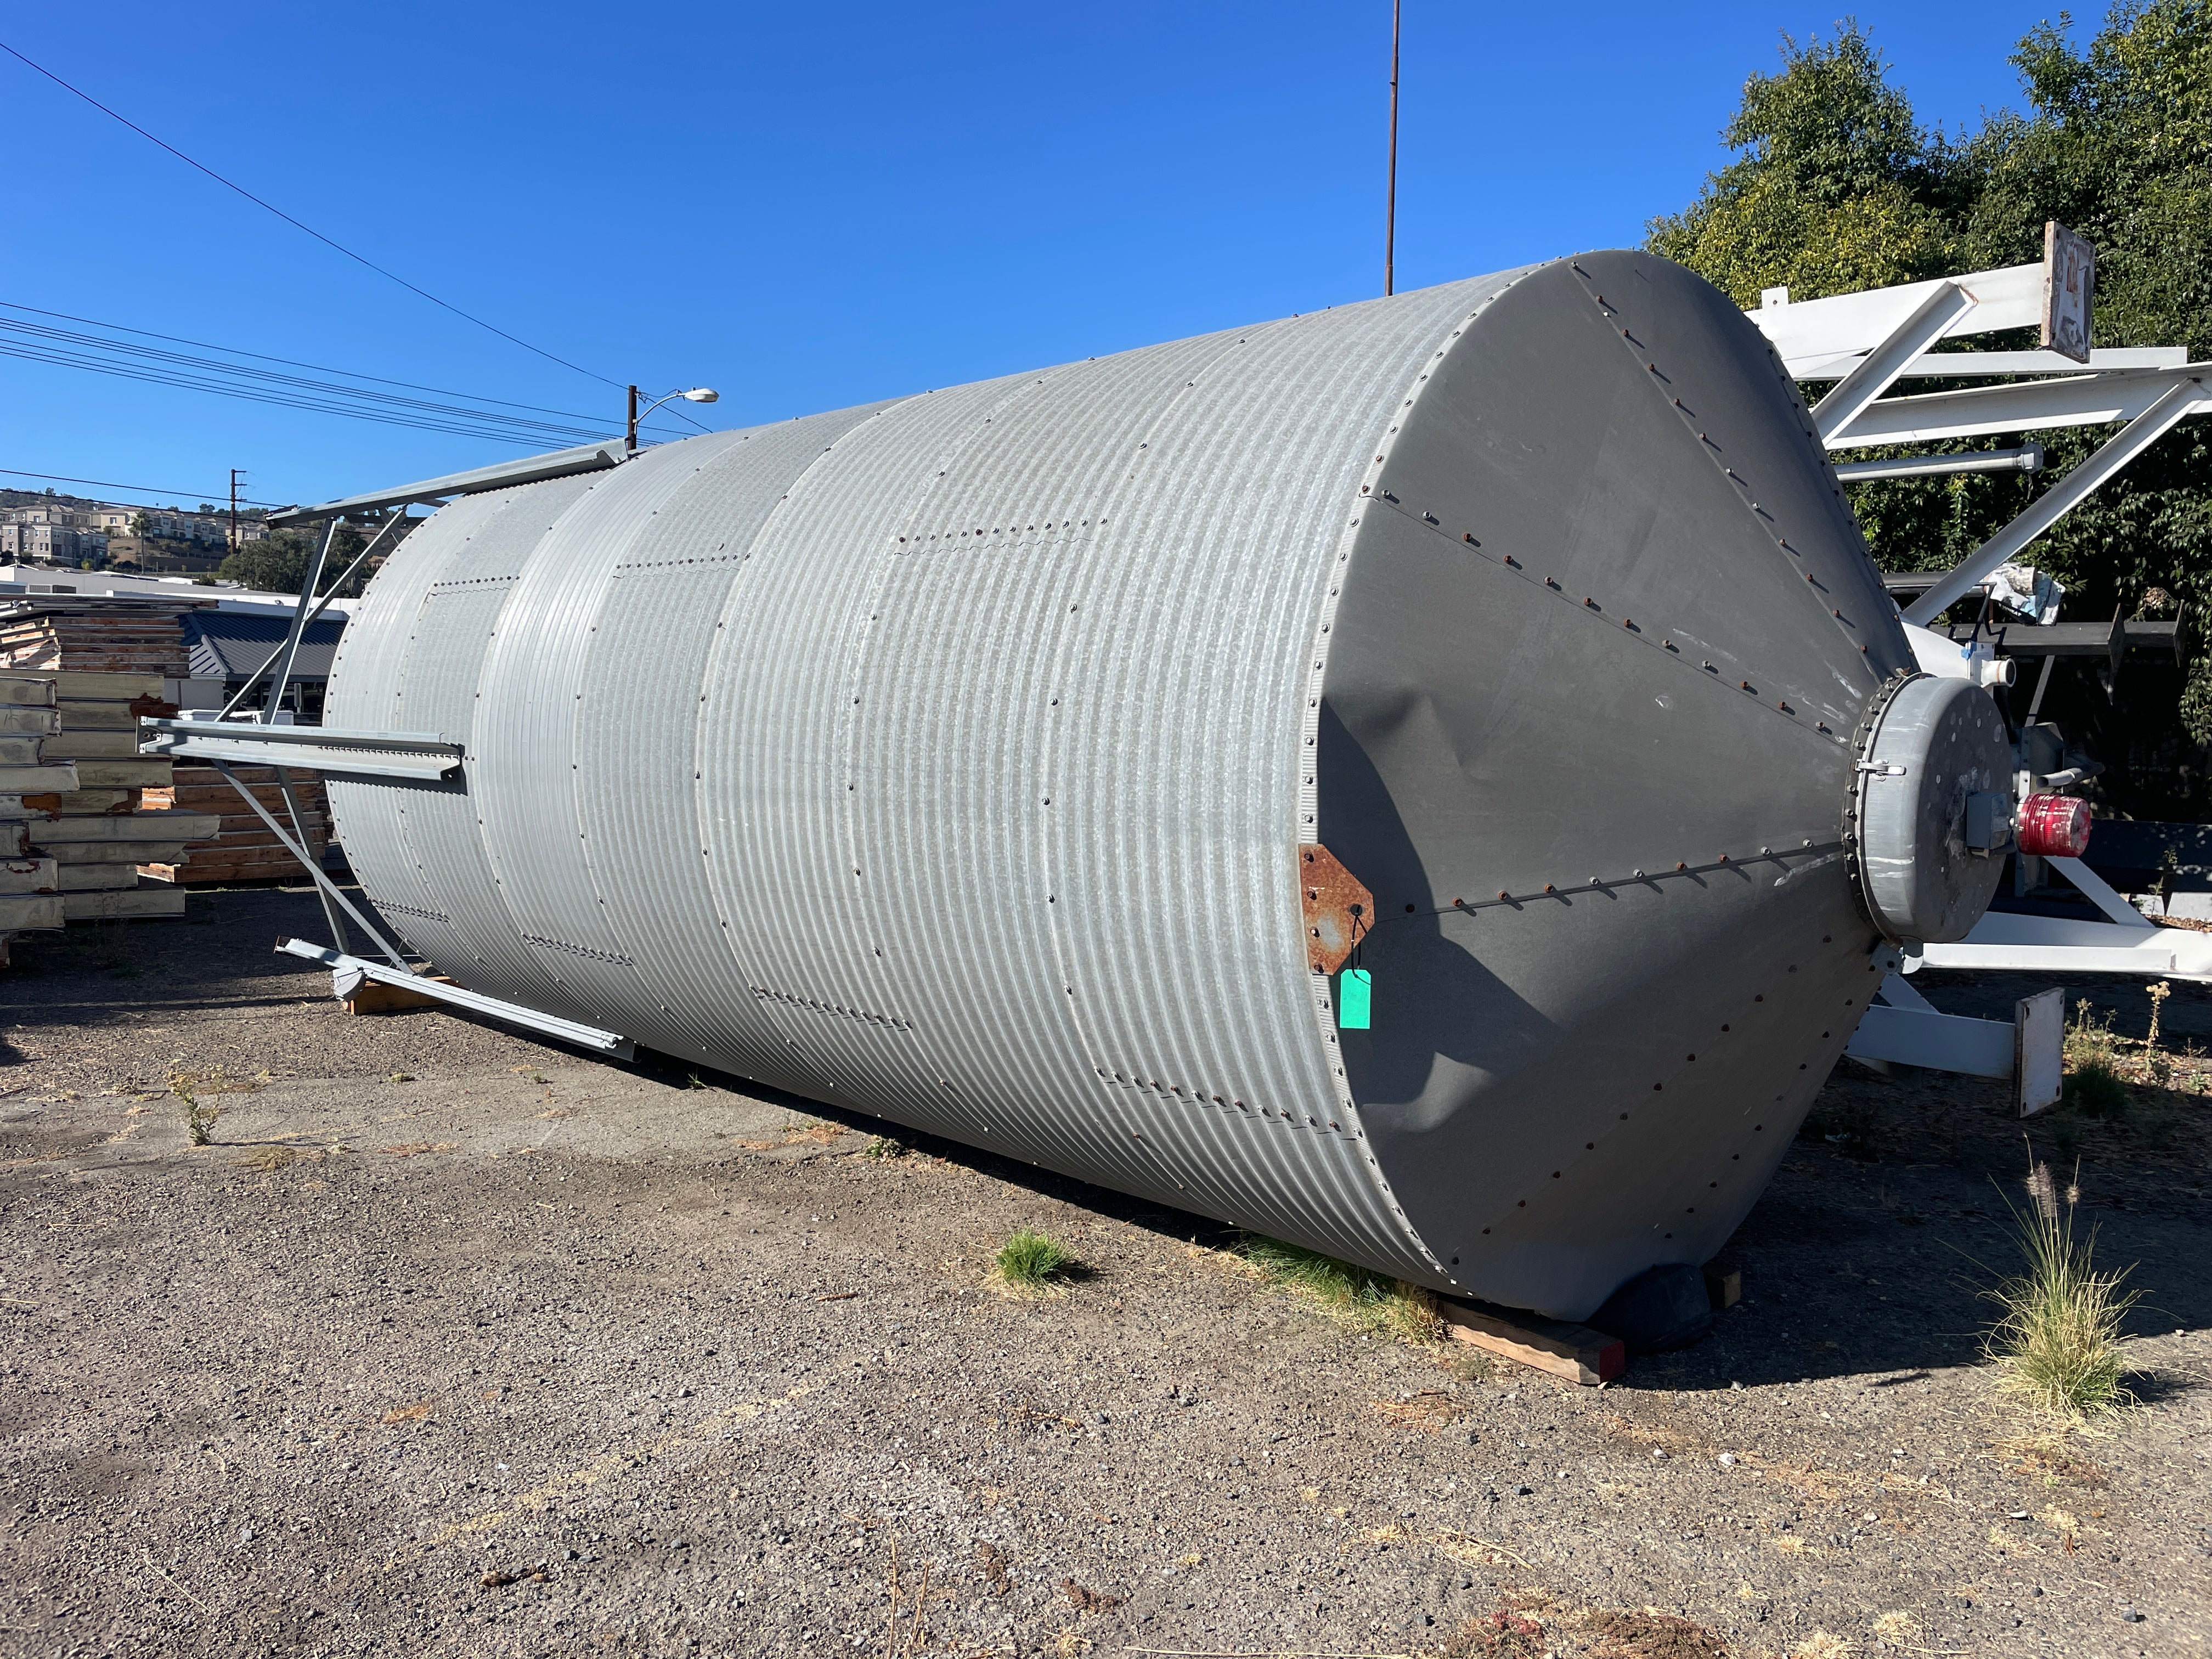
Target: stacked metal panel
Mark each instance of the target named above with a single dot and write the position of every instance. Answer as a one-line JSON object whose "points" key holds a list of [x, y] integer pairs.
{"points": [[30, 881]]}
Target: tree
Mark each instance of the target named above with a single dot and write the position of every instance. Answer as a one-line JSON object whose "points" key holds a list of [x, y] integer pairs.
{"points": [[274, 564], [278, 561], [1836, 187]]}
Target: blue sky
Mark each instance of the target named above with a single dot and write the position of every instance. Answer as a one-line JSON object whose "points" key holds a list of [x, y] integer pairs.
{"points": [[807, 207]]}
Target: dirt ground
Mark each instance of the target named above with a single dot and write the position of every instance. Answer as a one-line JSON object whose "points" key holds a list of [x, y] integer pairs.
{"points": [[450, 1342]]}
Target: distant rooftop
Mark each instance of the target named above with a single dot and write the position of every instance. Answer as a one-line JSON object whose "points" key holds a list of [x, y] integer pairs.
{"points": [[39, 581]]}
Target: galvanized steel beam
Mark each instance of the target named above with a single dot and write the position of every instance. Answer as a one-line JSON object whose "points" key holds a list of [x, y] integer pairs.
{"points": [[504, 475]]}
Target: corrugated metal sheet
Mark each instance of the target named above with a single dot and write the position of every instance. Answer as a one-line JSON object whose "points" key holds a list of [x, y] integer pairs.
{"points": [[877, 756], [946, 757]]}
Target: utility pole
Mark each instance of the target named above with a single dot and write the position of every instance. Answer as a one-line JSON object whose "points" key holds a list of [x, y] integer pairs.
{"points": [[633, 420], [235, 471], [1391, 213]]}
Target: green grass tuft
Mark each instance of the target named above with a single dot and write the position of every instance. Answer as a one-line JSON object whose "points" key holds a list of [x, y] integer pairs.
{"points": [[2056, 1343], [1365, 1301], [2095, 1086], [1031, 1261]]}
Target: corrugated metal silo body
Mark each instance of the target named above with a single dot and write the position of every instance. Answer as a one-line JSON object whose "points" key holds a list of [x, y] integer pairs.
{"points": [[947, 759]]}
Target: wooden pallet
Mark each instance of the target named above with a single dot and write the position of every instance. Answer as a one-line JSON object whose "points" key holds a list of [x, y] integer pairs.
{"points": [[242, 847], [97, 638]]}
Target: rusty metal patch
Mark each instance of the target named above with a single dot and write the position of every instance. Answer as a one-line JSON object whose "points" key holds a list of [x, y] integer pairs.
{"points": [[1339, 908]]}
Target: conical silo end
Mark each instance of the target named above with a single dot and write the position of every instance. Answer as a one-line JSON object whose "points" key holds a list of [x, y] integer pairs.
{"points": [[1606, 638]]}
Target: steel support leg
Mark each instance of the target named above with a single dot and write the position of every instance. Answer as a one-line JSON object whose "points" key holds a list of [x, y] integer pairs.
{"points": [[329, 889]]}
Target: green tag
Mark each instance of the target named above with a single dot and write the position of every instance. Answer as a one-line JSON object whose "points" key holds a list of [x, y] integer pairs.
{"points": [[1355, 989]]}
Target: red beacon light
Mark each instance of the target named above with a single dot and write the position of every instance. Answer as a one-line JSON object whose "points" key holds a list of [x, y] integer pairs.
{"points": [[2053, 826]]}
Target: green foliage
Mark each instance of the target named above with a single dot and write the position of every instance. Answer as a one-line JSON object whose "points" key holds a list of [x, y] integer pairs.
{"points": [[200, 1117], [1030, 1260], [2094, 1085], [272, 565], [277, 562], [1836, 187], [1356, 1296], [1837, 190], [2057, 1342]]}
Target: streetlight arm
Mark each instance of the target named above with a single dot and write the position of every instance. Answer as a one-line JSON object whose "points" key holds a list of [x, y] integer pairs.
{"points": [[697, 394]]}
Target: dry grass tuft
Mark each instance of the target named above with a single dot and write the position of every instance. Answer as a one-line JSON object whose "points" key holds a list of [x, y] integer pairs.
{"points": [[1649, 1633], [1504, 1634], [2056, 1343], [2063, 1522], [1368, 1302], [2049, 1456], [1897, 1630], [1821, 1645], [1527, 1626], [1617, 1427], [1823, 1486], [1430, 1409], [1450, 1543]]}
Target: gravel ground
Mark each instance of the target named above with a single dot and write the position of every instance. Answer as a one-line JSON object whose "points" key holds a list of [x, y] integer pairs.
{"points": [[452, 1343]]}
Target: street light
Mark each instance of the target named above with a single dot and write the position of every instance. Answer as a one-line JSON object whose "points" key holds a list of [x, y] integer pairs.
{"points": [[697, 394]]}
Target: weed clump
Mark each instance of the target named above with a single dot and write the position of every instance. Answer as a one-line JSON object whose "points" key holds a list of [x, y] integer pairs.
{"points": [[2057, 1342], [1848, 1126], [1032, 1262], [190, 1088], [2095, 1086], [1369, 1301], [200, 1117]]}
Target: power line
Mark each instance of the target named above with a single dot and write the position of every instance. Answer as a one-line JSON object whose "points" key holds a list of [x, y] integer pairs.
{"points": [[296, 224], [288, 363], [41, 342], [46, 343], [131, 490], [194, 384]]}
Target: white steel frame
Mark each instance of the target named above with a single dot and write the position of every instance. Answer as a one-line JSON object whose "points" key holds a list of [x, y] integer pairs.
{"points": [[1866, 343]]}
